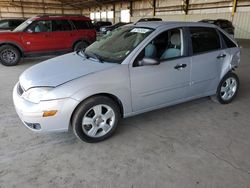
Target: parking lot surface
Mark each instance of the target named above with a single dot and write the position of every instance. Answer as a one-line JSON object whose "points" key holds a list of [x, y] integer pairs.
{"points": [[196, 144]]}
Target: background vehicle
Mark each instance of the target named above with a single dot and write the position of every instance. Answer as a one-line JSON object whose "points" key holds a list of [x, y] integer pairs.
{"points": [[10, 24], [154, 65], [149, 19], [100, 24], [43, 35], [106, 29], [226, 25]]}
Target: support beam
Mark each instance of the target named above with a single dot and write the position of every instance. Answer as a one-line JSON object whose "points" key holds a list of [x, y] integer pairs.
{"points": [[114, 13], [235, 2], [131, 8], [185, 6], [154, 5]]}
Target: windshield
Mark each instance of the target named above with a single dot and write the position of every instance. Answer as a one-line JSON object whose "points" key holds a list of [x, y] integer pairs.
{"points": [[116, 46], [23, 26]]}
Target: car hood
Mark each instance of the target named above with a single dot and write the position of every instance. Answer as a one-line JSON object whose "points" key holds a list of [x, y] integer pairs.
{"points": [[59, 70]]}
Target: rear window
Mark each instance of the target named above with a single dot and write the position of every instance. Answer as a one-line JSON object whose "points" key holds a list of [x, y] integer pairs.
{"points": [[61, 25], [204, 39], [80, 24], [228, 42], [4, 24]]}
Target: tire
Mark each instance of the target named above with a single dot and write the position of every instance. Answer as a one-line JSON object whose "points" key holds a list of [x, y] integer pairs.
{"points": [[9, 55], [80, 45], [92, 123], [228, 88]]}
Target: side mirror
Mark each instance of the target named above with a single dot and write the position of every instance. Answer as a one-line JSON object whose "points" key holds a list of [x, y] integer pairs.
{"points": [[148, 61]]}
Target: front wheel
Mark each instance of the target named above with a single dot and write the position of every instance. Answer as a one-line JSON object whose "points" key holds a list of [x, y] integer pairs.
{"points": [[81, 45], [9, 55], [96, 119], [228, 88]]}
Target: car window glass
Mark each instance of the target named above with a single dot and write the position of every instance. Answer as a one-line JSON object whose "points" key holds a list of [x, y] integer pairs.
{"points": [[166, 45], [41, 26], [229, 43], [15, 23], [204, 39], [117, 45], [80, 24], [61, 25], [4, 24]]}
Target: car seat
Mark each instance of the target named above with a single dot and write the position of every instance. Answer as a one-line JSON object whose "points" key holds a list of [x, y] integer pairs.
{"points": [[173, 51], [150, 51]]}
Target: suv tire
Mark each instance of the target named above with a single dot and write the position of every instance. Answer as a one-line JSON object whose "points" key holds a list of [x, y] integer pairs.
{"points": [[9, 55]]}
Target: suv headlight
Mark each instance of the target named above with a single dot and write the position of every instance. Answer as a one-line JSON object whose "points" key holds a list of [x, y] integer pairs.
{"points": [[35, 95]]}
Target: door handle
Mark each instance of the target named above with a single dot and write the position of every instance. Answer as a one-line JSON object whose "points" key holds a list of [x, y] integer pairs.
{"points": [[180, 66], [221, 56]]}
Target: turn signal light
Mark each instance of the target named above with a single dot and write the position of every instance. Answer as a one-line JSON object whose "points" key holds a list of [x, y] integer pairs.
{"points": [[49, 113]]}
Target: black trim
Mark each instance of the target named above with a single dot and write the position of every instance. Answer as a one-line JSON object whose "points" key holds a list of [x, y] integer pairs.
{"points": [[37, 54]]}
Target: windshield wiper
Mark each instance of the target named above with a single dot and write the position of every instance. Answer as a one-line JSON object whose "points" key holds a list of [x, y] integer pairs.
{"points": [[83, 52], [96, 56]]}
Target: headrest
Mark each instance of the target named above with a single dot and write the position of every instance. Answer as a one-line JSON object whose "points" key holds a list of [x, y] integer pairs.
{"points": [[175, 39]]}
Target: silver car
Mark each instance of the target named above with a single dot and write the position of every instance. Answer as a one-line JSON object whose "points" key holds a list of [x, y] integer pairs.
{"points": [[132, 70]]}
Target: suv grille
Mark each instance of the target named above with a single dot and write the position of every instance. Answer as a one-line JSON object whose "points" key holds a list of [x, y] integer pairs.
{"points": [[19, 89]]}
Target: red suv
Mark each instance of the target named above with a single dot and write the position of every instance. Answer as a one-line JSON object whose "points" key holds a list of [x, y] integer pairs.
{"points": [[45, 35]]}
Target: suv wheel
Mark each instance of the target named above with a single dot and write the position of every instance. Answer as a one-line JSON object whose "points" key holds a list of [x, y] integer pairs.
{"points": [[96, 119], [80, 45], [228, 88], [9, 55]]}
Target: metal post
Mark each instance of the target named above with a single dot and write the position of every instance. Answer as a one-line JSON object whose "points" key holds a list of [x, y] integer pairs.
{"points": [[154, 5], [114, 13], [131, 8], [234, 6]]}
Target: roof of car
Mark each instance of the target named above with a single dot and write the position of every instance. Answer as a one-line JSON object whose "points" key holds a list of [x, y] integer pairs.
{"points": [[156, 24], [54, 17]]}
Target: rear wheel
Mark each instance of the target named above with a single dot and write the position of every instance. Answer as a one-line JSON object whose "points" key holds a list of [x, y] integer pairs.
{"points": [[81, 45], [228, 88], [96, 119], [9, 55]]}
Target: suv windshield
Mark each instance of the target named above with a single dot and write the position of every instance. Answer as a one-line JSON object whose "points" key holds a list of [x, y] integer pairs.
{"points": [[115, 46], [23, 26]]}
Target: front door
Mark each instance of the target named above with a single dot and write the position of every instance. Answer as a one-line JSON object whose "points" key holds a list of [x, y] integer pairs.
{"points": [[37, 37], [158, 85]]}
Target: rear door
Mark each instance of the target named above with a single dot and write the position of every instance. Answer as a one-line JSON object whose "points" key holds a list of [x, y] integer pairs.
{"points": [[61, 35], [84, 30], [207, 59]]}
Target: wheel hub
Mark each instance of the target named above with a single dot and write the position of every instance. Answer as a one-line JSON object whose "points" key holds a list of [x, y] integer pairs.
{"points": [[98, 120]]}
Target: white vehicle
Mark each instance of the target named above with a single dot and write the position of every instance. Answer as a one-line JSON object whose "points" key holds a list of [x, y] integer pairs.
{"points": [[134, 69]]}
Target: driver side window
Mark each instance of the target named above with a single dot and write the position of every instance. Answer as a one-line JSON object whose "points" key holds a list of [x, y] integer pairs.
{"points": [[166, 45], [41, 26]]}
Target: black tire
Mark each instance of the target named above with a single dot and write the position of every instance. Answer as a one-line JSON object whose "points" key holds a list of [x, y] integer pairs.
{"points": [[80, 45], [86, 107], [9, 55], [219, 93]]}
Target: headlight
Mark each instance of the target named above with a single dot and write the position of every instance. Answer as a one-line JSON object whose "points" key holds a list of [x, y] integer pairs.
{"points": [[35, 95]]}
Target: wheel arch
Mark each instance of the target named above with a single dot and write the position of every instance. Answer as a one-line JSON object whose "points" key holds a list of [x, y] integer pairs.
{"points": [[111, 96], [18, 47], [80, 40]]}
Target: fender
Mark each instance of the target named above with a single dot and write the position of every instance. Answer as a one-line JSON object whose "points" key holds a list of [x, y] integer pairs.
{"points": [[13, 44]]}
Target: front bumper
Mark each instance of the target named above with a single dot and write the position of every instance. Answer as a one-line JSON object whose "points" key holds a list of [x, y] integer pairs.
{"points": [[31, 114]]}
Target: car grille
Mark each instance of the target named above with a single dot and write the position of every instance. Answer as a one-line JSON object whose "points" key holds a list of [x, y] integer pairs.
{"points": [[19, 89]]}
